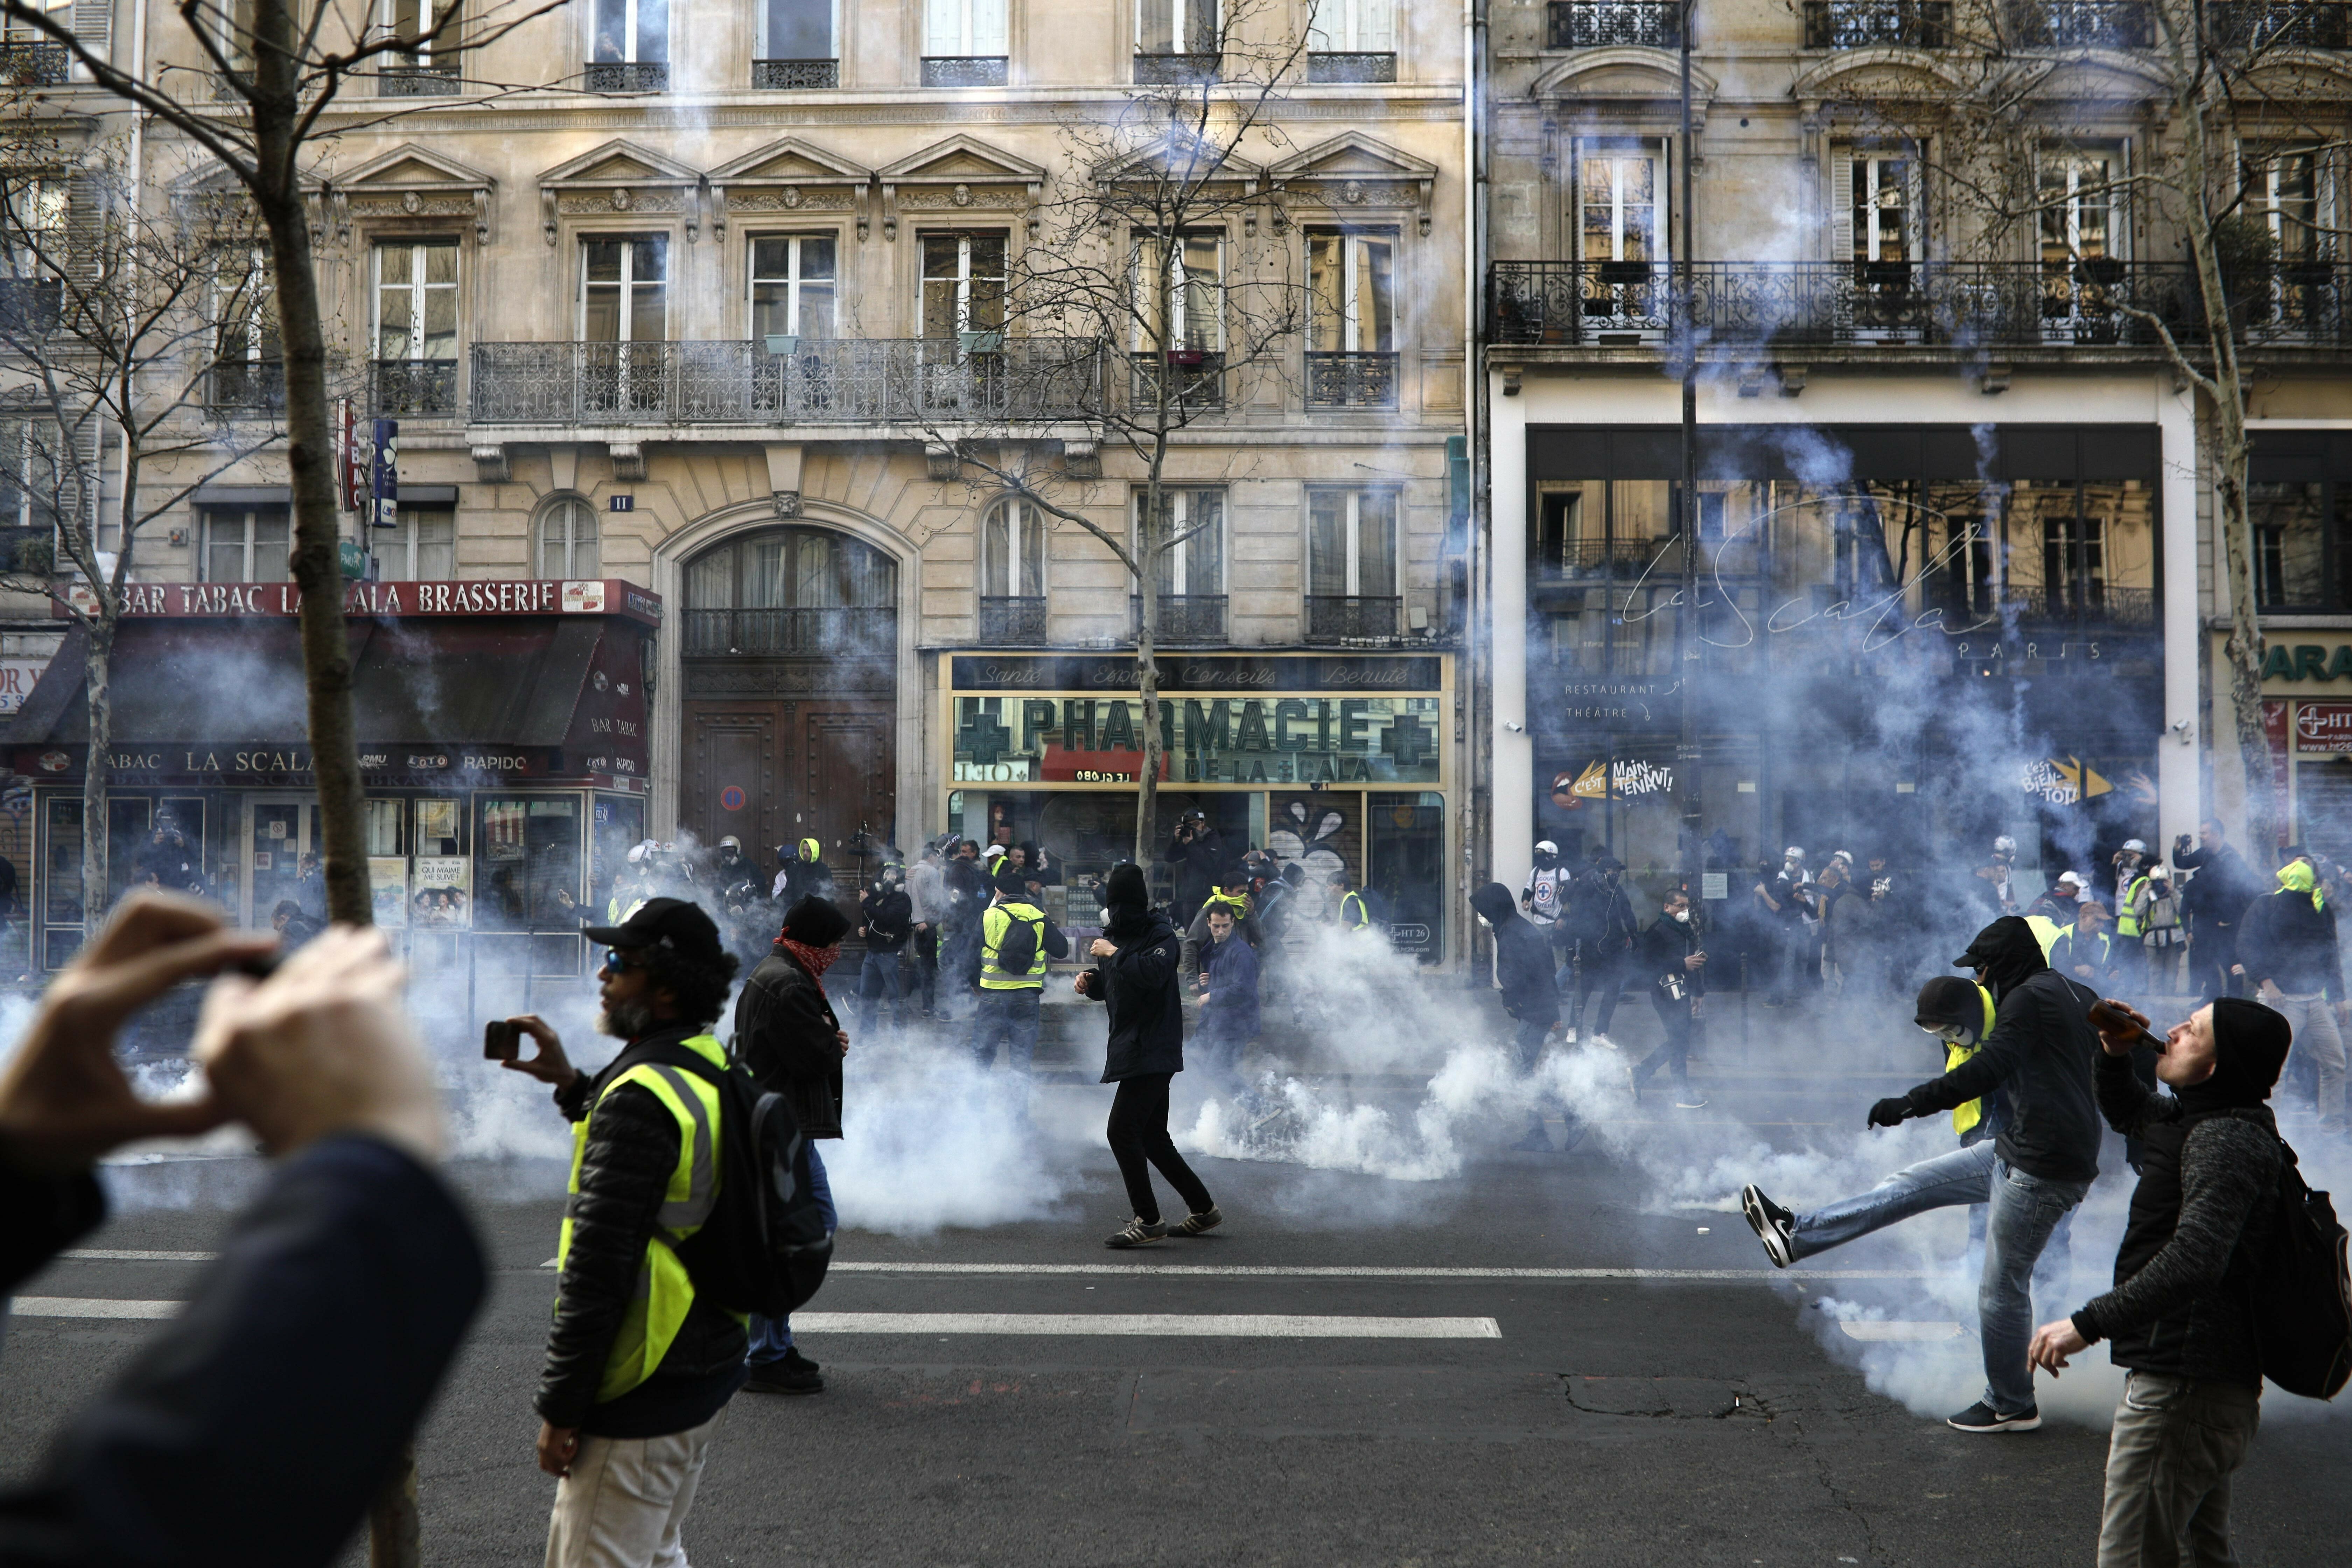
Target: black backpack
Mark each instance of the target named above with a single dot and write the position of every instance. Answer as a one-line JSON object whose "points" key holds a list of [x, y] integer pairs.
{"points": [[765, 1246], [1018, 951], [2302, 1293]]}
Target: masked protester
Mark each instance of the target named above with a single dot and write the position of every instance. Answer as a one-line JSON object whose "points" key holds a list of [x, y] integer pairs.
{"points": [[1531, 999], [1785, 897], [2179, 1319], [1544, 898], [1601, 917], [2033, 1174], [2287, 946], [1672, 959], [2219, 886]]}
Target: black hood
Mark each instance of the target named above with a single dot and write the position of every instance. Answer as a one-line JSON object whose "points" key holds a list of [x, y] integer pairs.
{"points": [[2250, 1049], [2007, 952], [1495, 901]]}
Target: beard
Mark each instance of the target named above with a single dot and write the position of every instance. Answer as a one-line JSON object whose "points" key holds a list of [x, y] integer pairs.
{"points": [[626, 1020]]}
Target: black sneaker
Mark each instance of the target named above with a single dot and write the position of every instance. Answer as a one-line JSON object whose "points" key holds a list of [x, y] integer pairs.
{"points": [[1983, 1417], [1775, 1227], [791, 1373], [1139, 1233], [1194, 1224]]}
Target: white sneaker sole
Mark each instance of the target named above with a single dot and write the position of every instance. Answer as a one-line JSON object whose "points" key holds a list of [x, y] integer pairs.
{"points": [[2015, 1423], [1751, 1204]]}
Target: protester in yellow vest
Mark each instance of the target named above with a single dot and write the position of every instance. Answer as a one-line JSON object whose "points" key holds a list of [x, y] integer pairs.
{"points": [[1355, 915], [1016, 938], [639, 1367]]}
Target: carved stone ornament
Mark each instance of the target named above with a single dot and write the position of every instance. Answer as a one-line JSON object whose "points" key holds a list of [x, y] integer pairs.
{"points": [[792, 196], [963, 195], [1353, 193], [621, 200], [490, 465], [787, 502], [410, 203]]}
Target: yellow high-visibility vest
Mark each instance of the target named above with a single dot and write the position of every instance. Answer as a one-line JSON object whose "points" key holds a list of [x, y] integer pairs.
{"points": [[994, 922], [1967, 1116], [663, 1291]]}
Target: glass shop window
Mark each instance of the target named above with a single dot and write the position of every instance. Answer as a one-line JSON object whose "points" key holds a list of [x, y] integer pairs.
{"points": [[527, 863]]}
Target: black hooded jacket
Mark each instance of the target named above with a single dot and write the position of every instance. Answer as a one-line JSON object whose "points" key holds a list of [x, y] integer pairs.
{"points": [[2038, 1056], [1139, 983], [1522, 957]]}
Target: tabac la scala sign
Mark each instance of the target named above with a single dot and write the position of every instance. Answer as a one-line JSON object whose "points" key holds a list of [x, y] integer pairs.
{"points": [[259, 601]]}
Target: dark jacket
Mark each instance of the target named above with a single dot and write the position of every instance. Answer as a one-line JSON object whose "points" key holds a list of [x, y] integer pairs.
{"points": [[2038, 1055], [623, 1177], [1661, 953], [1195, 866], [2216, 898], [1523, 969], [888, 918], [1196, 935], [2199, 1220], [1231, 1006], [187, 1457], [1598, 914], [787, 1034], [2283, 939], [1140, 984]]}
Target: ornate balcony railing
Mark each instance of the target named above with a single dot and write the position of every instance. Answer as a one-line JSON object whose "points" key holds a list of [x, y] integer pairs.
{"points": [[417, 81], [1358, 67], [1196, 379], [627, 76], [2095, 607], [963, 70], [2098, 301], [789, 76], [1184, 617], [1860, 24], [1162, 70], [821, 381], [844, 633], [1580, 558], [2083, 24], [415, 388], [251, 385], [1348, 616], [1012, 622], [1592, 24], [1352, 380], [33, 65], [2254, 24]]}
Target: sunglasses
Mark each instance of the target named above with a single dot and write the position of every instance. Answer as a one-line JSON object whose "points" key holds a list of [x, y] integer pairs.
{"points": [[620, 962]]}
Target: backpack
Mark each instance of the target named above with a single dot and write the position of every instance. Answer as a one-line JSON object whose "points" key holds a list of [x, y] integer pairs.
{"points": [[765, 1247], [1018, 950], [2302, 1295]]}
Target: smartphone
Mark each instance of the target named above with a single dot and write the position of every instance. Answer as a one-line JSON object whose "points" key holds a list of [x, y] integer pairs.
{"points": [[501, 1041]]}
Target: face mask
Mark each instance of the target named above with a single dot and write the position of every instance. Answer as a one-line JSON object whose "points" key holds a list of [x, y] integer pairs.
{"points": [[1682, 917], [1952, 1033]]}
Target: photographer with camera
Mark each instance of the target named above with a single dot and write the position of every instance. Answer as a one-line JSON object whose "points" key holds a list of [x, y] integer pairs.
{"points": [[638, 1366], [1675, 962], [1194, 857]]}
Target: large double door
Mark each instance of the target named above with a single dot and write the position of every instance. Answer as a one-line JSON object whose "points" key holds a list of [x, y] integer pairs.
{"points": [[773, 772]]}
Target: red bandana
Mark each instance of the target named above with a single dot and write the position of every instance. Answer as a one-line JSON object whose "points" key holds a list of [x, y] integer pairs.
{"points": [[815, 960]]}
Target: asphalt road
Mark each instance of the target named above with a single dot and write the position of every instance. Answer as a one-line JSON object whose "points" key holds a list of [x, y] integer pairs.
{"points": [[1677, 1403]]}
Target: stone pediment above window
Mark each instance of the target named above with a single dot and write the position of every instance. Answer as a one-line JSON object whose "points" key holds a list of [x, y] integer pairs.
{"points": [[788, 178], [1353, 174], [1139, 185], [1624, 76], [412, 182], [616, 180], [959, 174]]}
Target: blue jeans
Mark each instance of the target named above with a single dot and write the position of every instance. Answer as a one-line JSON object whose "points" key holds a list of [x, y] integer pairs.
{"points": [[1527, 1041], [1010, 1016], [771, 1337], [2023, 1214]]}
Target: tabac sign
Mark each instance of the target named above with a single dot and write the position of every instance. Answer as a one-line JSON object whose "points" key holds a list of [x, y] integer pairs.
{"points": [[277, 601]]}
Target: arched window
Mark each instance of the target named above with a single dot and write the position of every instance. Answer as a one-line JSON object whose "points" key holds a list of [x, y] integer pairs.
{"points": [[567, 540], [792, 590], [1013, 551]]}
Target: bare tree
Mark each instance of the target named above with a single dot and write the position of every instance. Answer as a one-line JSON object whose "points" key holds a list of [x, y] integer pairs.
{"points": [[1155, 287], [123, 340], [2229, 100]]}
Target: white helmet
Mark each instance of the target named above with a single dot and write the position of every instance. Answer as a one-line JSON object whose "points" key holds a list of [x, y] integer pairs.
{"points": [[2136, 846], [2068, 879], [1546, 847], [2004, 845], [731, 842], [1846, 856], [1792, 852]]}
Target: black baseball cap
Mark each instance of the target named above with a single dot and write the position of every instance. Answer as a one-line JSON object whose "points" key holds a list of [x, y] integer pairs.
{"points": [[662, 922]]}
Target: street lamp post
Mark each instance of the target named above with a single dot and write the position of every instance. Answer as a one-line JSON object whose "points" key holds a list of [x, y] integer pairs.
{"points": [[1686, 748]]}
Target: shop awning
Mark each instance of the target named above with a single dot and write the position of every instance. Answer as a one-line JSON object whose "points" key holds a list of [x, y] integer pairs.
{"points": [[514, 682]]}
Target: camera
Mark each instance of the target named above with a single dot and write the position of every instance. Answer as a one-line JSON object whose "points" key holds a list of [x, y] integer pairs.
{"points": [[501, 1041]]}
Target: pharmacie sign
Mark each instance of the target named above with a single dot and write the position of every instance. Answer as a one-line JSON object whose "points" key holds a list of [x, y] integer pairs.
{"points": [[2308, 661], [1277, 739]]}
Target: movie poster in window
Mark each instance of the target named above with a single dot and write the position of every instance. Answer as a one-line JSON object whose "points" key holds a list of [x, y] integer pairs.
{"points": [[388, 885], [441, 892]]}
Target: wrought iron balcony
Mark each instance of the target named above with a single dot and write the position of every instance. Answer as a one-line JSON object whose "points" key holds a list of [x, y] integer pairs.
{"points": [[417, 81], [1352, 380], [1576, 560], [2083, 23], [2098, 301], [1358, 66], [1860, 24], [821, 381], [1196, 381], [836, 633], [1348, 616], [33, 65], [1594, 24], [963, 70], [254, 386], [417, 388], [2093, 605], [795, 75], [2256, 25], [1162, 70], [1183, 617], [1012, 622], [627, 76]]}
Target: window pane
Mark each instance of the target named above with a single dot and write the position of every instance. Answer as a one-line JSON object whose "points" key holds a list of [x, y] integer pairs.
{"points": [[1375, 297], [1199, 301], [2289, 547], [1032, 557], [764, 587], [943, 284], [437, 546], [653, 29], [383, 826], [1376, 573], [225, 547], [710, 582], [800, 30], [394, 302], [612, 41], [1204, 551], [1327, 543], [1327, 279]]}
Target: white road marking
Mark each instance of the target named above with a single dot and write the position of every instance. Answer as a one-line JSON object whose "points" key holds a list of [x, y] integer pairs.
{"points": [[1882, 1332], [89, 1307], [125, 1255], [1242, 1270], [1189, 1325]]}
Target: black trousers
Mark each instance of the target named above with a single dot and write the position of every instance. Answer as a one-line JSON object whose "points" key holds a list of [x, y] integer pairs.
{"points": [[1675, 1018], [1138, 1131]]}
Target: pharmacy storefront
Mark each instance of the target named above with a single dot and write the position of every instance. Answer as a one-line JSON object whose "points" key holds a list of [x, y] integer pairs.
{"points": [[1336, 761]]}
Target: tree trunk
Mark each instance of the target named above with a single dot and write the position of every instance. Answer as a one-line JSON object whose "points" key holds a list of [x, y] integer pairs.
{"points": [[1147, 666], [317, 569], [98, 677]]}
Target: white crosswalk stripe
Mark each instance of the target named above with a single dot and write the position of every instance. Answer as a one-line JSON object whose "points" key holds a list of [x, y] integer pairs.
{"points": [[89, 1307], [1185, 1325]]}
